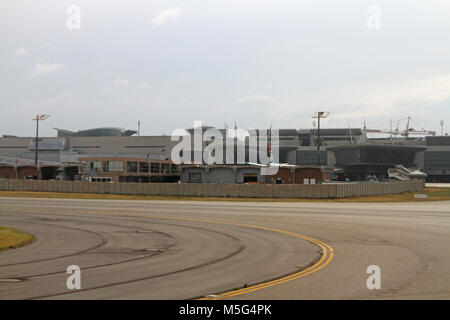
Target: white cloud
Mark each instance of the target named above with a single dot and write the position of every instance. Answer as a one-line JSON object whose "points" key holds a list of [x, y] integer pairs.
{"points": [[256, 101], [395, 97], [143, 85], [117, 83], [63, 96], [166, 16], [120, 82], [45, 68], [22, 52]]}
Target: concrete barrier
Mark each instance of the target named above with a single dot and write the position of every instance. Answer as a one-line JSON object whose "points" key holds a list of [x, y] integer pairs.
{"points": [[319, 191]]}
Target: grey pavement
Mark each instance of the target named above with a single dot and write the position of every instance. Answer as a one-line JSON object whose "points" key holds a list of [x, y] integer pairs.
{"points": [[155, 249]]}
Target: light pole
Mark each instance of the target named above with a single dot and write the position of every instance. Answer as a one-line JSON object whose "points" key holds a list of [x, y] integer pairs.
{"points": [[318, 115], [442, 127], [38, 117]]}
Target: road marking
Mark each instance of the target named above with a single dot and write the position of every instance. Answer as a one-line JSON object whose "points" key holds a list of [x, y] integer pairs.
{"points": [[327, 256], [326, 250]]}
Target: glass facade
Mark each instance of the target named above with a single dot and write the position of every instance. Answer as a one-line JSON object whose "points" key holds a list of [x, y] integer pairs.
{"points": [[154, 167], [132, 166], [113, 166], [95, 166], [309, 158], [164, 168], [143, 167], [437, 160]]}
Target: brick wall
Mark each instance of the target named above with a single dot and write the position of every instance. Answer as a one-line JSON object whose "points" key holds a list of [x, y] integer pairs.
{"points": [[7, 172], [27, 171]]}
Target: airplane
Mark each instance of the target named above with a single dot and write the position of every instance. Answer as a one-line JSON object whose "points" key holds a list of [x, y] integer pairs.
{"points": [[267, 165]]}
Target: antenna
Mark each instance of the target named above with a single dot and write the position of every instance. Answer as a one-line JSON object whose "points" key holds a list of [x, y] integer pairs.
{"points": [[270, 130], [269, 141], [350, 132], [390, 127], [313, 134], [396, 129], [139, 128], [442, 127], [407, 127], [365, 129], [225, 127]]}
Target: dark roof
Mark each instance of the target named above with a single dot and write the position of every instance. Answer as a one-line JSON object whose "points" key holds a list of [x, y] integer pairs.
{"points": [[377, 147], [338, 131], [96, 132], [438, 141]]}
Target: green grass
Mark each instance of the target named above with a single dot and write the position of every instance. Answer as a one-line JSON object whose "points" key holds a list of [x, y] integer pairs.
{"points": [[434, 194], [11, 238]]}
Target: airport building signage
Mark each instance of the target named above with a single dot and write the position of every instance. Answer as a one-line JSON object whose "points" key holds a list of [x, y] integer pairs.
{"points": [[47, 144]]}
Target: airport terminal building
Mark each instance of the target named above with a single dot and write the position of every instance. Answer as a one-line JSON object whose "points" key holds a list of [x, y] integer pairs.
{"points": [[348, 152]]}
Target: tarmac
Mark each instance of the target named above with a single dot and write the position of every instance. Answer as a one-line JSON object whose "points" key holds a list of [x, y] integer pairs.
{"points": [[130, 249]]}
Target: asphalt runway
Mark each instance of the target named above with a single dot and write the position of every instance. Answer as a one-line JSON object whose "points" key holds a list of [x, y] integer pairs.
{"points": [[197, 249]]}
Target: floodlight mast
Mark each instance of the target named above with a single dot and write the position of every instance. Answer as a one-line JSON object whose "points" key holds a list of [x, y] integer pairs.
{"points": [[38, 117], [318, 115]]}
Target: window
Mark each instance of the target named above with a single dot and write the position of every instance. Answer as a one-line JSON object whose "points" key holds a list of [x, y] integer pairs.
{"points": [[307, 158], [154, 167], [164, 168], [175, 168], [132, 166], [437, 160], [143, 167], [113, 166], [250, 178], [195, 177], [95, 166], [100, 179]]}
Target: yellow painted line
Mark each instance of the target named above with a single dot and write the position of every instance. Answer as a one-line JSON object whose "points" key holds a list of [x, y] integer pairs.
{"points": [[295, 276], [325, 259], [327, 256]]}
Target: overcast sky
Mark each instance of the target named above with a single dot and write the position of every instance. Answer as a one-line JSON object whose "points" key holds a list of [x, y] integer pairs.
{"points": [[169, 63]]}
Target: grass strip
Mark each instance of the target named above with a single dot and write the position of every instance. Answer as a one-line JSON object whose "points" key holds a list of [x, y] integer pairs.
{"points": [[433, 194], [11, 238]]}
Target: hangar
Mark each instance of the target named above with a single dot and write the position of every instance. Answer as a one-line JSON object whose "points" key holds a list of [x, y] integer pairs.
{"points": [[252, 174]]}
